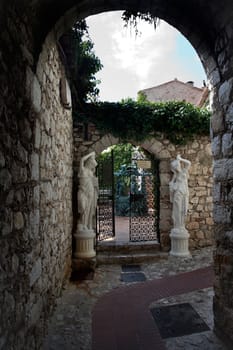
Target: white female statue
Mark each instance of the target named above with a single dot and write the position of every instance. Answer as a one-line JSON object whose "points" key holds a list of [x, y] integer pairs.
{"points": [[179, 196], [179, 192], [87, 192]]}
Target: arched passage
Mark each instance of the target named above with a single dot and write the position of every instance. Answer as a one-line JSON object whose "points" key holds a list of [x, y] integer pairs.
{"points": [[128, 205], [24, 28]]}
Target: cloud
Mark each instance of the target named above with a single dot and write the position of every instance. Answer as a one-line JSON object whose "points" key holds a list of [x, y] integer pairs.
{"points": [[132, 64], [146, 55]]}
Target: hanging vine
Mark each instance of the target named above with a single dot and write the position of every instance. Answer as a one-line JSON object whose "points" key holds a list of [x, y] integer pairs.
{"points": [[132, 18], [131, 120]]}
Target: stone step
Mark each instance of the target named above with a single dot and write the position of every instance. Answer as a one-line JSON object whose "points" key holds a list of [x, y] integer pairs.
{"points": [[127, 247], [106, 258]]}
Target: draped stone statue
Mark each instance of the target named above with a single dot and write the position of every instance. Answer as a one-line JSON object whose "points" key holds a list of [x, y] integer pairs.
{"points": [[87, 201], [179, 192], [179, 197], [87, 192]]}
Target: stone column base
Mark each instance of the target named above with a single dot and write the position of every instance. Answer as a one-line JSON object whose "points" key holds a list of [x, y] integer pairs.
{"points": [[179, 242], [84, 240]]}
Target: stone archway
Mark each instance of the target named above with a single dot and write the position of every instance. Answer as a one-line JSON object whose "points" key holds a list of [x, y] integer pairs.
{"points": [[199, 221], [29, 258], [128, 205]]}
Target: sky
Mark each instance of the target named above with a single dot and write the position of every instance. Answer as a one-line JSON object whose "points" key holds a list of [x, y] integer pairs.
{"points": [[134, 63]]}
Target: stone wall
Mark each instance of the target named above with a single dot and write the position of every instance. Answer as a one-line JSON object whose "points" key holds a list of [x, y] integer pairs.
{"points": [[222, 147], [200, 219], [18, 191], [35, 194], [199, 222], [54, 140]]}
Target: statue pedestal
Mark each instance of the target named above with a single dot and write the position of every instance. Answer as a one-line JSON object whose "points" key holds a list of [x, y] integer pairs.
{"points": [[84, 240], [179, 242]]}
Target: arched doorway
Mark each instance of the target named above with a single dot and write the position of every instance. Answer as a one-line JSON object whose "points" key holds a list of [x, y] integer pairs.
{"points": [[128, 208], [208, 26]]}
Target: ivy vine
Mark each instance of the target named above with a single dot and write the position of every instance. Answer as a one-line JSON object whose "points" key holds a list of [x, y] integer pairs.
{"points": [[132, 18], [134, 120]]}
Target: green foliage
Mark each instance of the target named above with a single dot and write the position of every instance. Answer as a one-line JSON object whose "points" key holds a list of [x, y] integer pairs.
{"points": [[137, 121], [81, 64], [142, 98], [122, 155]]}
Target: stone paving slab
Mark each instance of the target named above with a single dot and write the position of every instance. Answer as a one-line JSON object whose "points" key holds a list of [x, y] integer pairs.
{"points": [[126, 310], [201, 301], [70, 325]]}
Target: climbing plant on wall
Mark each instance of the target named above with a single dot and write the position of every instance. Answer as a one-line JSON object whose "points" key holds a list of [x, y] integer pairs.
{"points": [[138, 120]]}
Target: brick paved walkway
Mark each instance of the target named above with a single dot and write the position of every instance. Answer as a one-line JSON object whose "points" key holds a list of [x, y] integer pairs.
{"points": [[122, 319]]}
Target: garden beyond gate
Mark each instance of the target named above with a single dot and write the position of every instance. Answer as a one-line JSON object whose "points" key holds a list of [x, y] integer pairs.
{"points": [[129, 198]]}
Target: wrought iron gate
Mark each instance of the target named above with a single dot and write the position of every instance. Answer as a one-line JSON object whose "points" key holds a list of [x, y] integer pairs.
{"points": [[144, 199], [137, 196], [105, 208], [131, 192]]}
